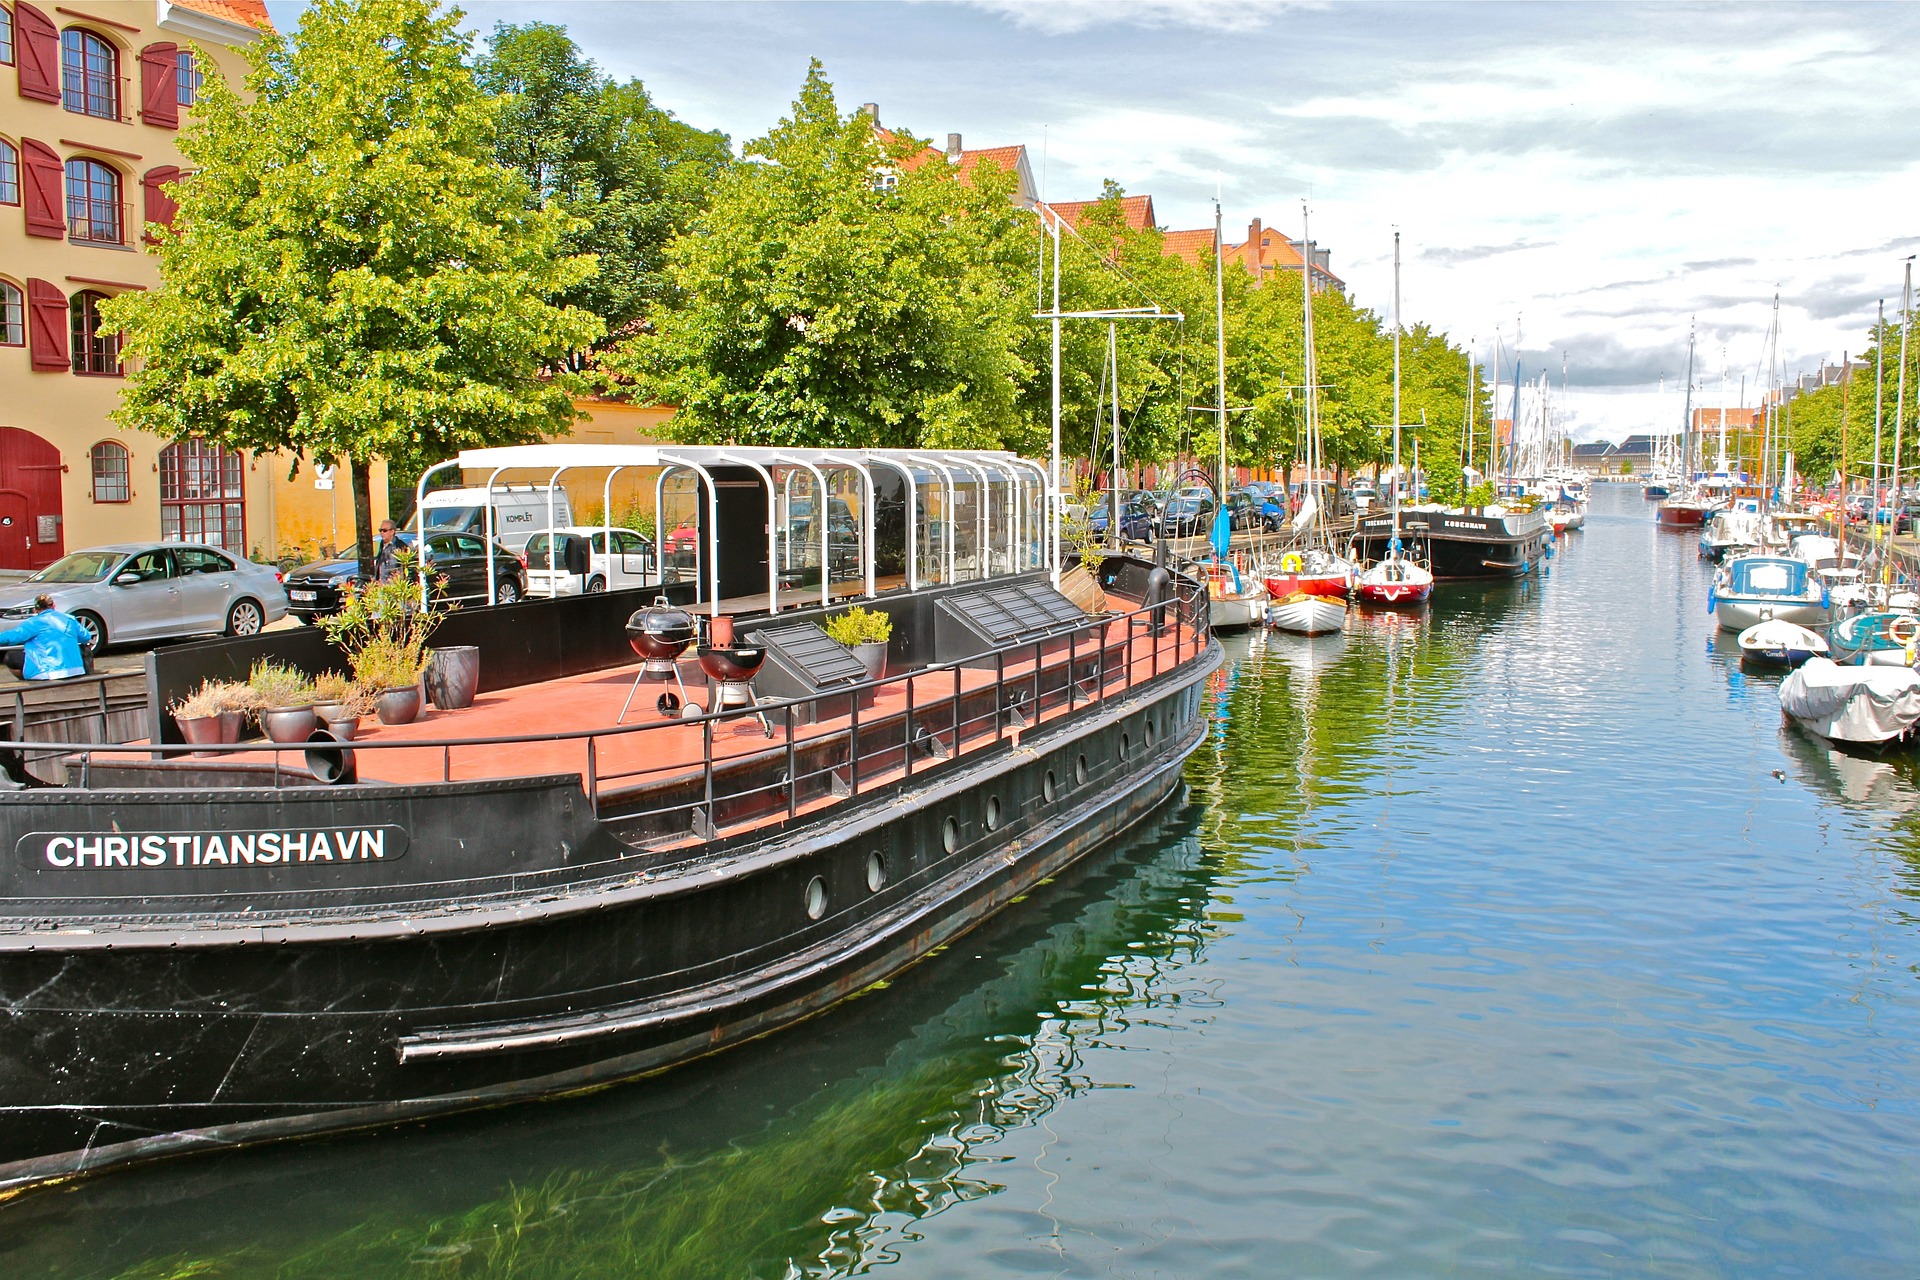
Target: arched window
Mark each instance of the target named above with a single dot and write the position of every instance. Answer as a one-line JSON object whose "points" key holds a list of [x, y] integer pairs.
{"points": [[9, 170], [6, 34], [89, 74], [186, 81], [13, 315], [93, 351], [93, 203], [203, 495], [112, 476]]}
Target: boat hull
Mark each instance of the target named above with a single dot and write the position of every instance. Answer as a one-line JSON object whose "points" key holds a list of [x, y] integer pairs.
{"points": [[1334, 586], [1737, 613], [1236, 612], [326, 1008], [1459, 546], [1853, 706], [1681, 515], [1307, 615]]}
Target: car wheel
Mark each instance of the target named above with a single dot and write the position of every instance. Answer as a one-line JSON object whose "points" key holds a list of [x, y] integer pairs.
{"points": [[596, 585], [245, 619], [95, 628], [508, 592]]}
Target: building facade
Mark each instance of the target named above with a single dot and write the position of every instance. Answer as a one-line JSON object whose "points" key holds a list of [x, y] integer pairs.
{"points": [[92, 101]]}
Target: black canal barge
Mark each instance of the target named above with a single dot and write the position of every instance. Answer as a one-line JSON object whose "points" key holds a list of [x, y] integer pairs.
{"points": [[206, 947], [1457, 544]]}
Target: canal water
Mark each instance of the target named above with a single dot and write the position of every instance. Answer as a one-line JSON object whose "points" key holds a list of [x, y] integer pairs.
{"points": [[1516, 939]]}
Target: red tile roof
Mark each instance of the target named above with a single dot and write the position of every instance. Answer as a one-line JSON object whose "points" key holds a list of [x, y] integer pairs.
{"points": [[247, 13], [1138, 211], [1194, 246]]}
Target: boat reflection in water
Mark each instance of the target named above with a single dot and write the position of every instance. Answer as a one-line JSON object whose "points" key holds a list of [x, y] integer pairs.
{"points": [[888, 1114]]}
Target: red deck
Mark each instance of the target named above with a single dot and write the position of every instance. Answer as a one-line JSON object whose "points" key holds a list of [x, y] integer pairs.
{"points": [[579, 712]]}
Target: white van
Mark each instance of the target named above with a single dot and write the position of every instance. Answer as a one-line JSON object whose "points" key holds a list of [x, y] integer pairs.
{"points": [[519, 512]]}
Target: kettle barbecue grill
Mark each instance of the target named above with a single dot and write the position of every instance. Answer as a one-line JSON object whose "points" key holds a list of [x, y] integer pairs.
{"points": [[659, 633]]}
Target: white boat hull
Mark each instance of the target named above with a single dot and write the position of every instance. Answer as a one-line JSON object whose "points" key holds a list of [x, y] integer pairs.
{"points": [[1781, 644], [1307, 615], [1236, 612], [1737, 613]]}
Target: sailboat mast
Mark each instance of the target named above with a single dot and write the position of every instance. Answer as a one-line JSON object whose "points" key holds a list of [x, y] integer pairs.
{"points": [[1686, 416], [1220, 340], [1900, 398], [1879, 382], [1312, 367], [1113, 477], [1396, 385]]}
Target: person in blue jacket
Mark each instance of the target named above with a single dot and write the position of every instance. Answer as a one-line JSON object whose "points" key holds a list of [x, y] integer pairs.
{"points": [[54, 644]]}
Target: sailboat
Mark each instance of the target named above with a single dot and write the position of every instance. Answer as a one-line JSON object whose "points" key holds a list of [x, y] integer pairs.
{"points": [[1310, 590], [1691, 508], [1397, 579], [1233, 603]]}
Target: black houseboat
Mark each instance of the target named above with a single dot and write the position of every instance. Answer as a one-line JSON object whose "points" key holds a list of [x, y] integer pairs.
{"points": [[529, 896], [1460, 544]]}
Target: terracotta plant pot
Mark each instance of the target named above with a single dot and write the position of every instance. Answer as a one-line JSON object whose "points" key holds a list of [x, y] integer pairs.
{"points": [[287, 724], [231, 723], [200, 731], [873, 656], [325, 711], [398, 706], [453, 676]]}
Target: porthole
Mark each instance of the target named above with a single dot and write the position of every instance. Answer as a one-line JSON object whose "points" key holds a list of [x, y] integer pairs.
{"points": [[816, 898], [876, 873], [950, 834], [1149, 730], [1048, 788], [1080, 772], [1126, 746], [993, 812]]}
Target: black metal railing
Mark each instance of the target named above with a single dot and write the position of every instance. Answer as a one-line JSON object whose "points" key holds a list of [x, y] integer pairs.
{"points": [[1071, 669]]}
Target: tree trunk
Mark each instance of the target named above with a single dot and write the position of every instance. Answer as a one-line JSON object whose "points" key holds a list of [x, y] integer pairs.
{"points": [[363, 515]]}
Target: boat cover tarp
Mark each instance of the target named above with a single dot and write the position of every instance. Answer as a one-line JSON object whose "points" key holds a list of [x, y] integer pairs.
{"points": [[1852, 704]]}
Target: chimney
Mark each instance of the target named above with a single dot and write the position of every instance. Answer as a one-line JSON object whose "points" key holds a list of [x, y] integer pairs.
{"points": [[953, 148], [871, 110], [1254, 251]]}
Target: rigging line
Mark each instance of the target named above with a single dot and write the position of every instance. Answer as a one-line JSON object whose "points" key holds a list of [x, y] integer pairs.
{"points": [[1107, 262]]}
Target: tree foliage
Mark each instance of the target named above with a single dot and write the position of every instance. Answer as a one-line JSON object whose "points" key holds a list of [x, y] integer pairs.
{"points": [[628, 174], [836, 292], [350, 273]]}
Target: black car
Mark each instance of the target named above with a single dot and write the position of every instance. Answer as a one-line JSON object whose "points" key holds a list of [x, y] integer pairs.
{"points": [[1189, 514], [1137, 515], [456, 569]]}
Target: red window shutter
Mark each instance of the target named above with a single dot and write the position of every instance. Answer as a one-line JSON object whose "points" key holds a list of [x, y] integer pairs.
{"points": [[47, 326], [43, 189], [37, 49], [159, 91], [160, 205]]}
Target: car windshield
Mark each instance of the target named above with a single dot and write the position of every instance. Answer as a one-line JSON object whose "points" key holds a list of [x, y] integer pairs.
{"points": [[81, 566], [448, 517]]}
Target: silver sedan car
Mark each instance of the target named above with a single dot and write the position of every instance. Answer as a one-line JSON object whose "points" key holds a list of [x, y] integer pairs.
{"points": [[151, 590]]}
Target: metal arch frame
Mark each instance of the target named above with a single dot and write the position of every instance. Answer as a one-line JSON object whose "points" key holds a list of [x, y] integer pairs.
{"points": [[1005, 477], [913, 520], [820, 478], [1037, 471], [941, 469], [669, 463], [773, 560], [977, 472], [850, 462], [420, 524]]}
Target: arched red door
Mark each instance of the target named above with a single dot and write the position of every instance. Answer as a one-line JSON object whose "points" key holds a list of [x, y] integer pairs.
{"points": [[30, 481]]}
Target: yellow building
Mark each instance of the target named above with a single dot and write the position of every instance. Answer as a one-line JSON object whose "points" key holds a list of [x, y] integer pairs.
{"points": [[92, 98]]}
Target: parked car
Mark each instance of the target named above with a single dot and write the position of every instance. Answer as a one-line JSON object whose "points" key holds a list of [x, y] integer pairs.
{"points": [[154, 590], [518, 512], [456, 568], [1138, 514], [632, 563], [1189, 514]]}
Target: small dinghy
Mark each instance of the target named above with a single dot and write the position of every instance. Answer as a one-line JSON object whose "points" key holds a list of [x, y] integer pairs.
{"points": [[1779, 643], [1395, 581], [1863, 706], [1307, 615]]}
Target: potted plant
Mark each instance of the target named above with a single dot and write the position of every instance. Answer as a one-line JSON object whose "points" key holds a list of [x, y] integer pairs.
{"points": [[866, 632], [342, 718], [198, 714], [384, 627], [282, 698], [330, 693]]}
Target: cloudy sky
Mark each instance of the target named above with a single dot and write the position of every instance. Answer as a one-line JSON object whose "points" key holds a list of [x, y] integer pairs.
{"points": [[1596, 176]]}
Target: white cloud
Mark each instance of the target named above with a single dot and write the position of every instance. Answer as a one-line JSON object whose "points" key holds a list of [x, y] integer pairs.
{"points": [[1069, 17]]}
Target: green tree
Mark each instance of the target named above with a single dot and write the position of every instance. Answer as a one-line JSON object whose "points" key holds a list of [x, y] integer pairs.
{"points": [[630, 175], [839, 291], [351, 274]]}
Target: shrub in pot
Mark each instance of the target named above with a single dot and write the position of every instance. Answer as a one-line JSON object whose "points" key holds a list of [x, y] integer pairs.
{"points": [[282, 698], [866, 632], [384, 627], [200, 714]]}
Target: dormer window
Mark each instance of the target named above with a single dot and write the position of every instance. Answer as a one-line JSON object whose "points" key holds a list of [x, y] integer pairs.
{"points": [[89, 74]]}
